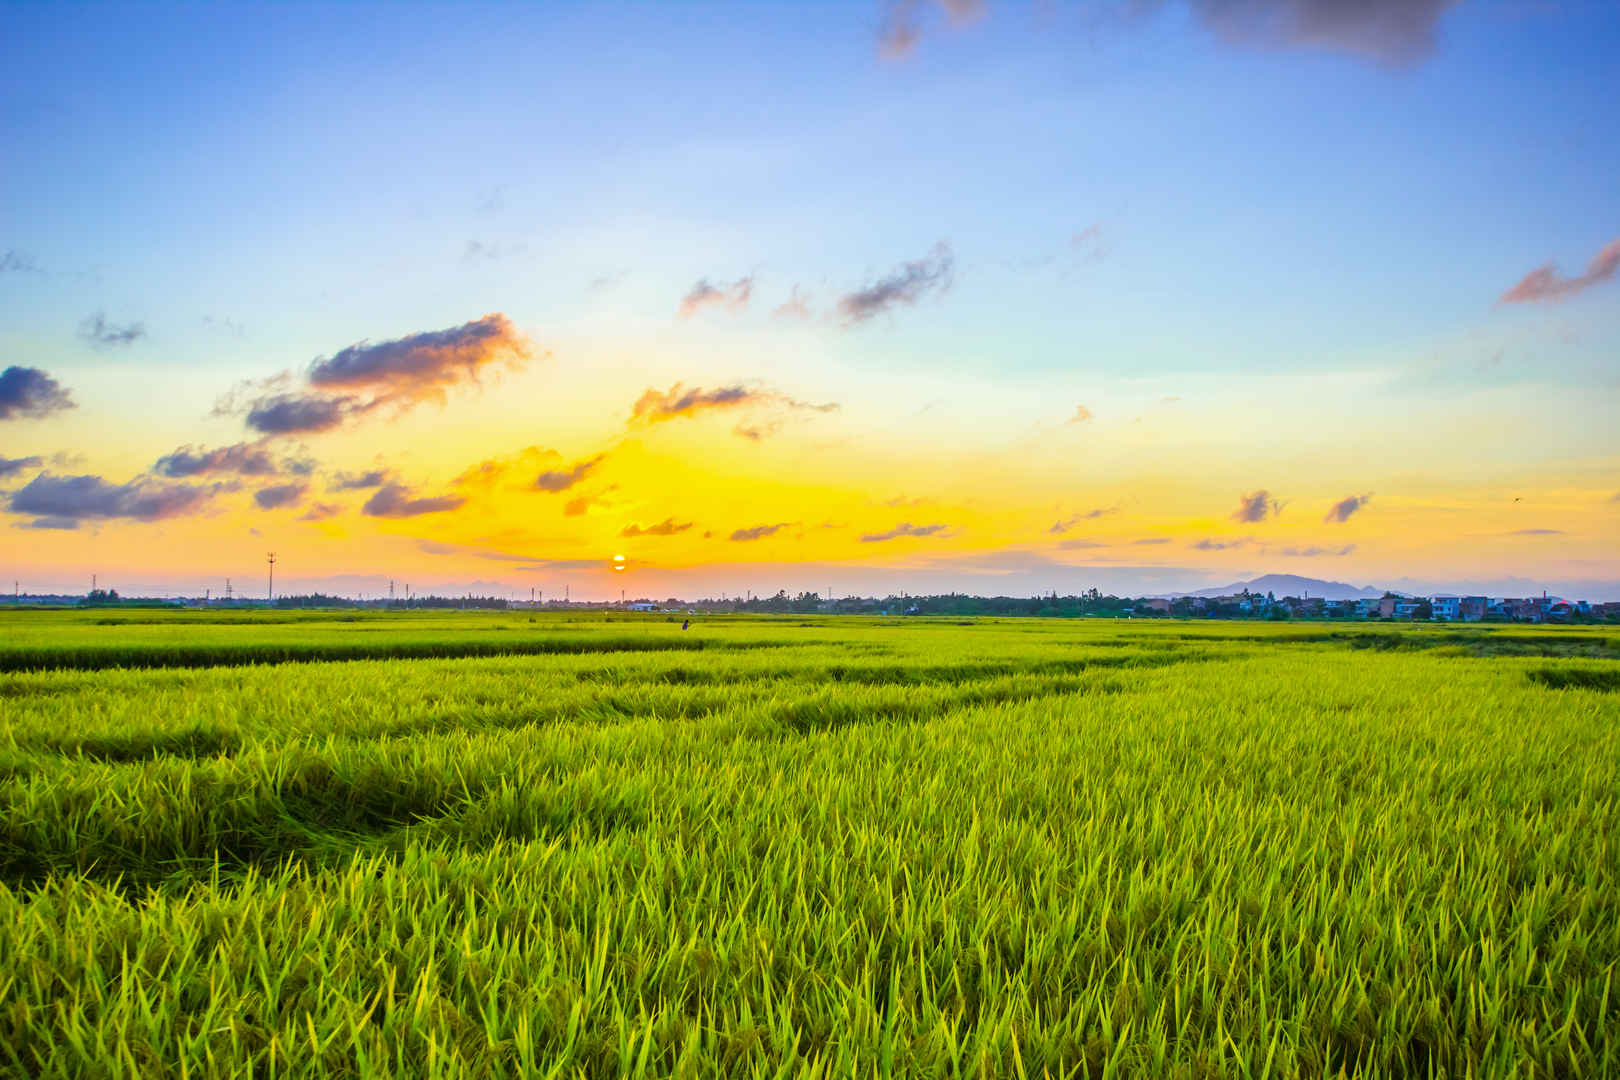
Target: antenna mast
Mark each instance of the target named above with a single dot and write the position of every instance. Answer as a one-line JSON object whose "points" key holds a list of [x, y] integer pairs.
{"points": [[271, 594]]}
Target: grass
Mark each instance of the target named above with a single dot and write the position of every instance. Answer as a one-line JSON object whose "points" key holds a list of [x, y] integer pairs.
{"points": [[805, 847]]}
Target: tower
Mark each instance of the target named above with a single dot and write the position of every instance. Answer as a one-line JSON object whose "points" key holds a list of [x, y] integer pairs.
{"points": [[271, 591]]}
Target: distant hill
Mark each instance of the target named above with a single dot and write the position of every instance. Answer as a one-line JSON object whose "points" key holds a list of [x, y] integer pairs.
{"points": [[1282, 585]]}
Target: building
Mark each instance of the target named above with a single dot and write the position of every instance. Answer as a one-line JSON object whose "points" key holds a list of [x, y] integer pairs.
{"points": [[1446, 607]]}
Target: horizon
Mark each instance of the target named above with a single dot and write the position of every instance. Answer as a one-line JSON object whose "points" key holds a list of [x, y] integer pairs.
{"points": [[987, 298]]}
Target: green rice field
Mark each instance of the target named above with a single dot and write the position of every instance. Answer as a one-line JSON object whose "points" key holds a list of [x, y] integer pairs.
{"points": [[242, 844]]}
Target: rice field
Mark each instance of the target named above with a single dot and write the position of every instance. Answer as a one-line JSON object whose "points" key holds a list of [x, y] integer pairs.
{"points": [[549, 845]]}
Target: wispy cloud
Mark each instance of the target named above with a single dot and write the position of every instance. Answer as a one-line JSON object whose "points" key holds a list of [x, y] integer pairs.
{"points": [[1535, 532], [796, 306], [321, 511], [705, 294], [1150, 541], [13, 261], [1315, 552], [1212, 544], [905, 528], [902, 23], [76, 497], [1345, 507], [397, 501], [274, 498], [1256, 506], [1545, 283], [606, 283], [1081, 544], [906, 285], [29, 392], [1393, 32], [655, 406], [667, 527], [555, 480], [1068, 523], [478, 251], [102, 334], [13, 466], [1081, 415], [245, 459], [759, 532]]}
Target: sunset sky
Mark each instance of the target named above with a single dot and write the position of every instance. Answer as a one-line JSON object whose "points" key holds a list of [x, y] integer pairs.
{"points": [[987, 297]]}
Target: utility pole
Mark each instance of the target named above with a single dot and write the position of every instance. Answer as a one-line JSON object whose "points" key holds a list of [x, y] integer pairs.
{"points": [[390, 590], [228, 597], [271, 591]]}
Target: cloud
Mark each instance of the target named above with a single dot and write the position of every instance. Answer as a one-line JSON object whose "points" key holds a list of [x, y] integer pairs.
{"points": [[1313, 552], [655, 406], [605, 283], [1210, 544], [424, 365], [1257, 506], [1066, 524], [1081, 415], [910, 283], [796, 306], [105, 335], [1546, 284], [48, 495], [667, 527], [758, 532], [400, 373], [1535, 532], [1394, 32], [30, 392], [295, 414], [13, 466], [1151, 540], [13, 261], [477, 250], [347, 481], [901, 30], [905, 528], [272, 498], [733, 297], [1345, 507], [245, 459], [556, 480], [321, 511], [63, 523], [1080, 544], [396, 501], [578, 506], [1088, 244]]}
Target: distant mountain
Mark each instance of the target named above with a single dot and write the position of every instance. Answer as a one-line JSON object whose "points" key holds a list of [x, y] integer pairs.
{"points": [[1282, 585]]}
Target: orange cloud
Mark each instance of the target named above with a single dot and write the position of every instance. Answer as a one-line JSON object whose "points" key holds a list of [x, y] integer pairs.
{"points": [[1545, 283]]}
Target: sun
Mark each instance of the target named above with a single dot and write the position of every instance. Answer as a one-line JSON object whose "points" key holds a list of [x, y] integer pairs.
{"points": [[618, 562]]}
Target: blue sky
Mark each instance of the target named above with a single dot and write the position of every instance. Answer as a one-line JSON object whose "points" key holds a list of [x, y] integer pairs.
{"points": [[259, 187]]}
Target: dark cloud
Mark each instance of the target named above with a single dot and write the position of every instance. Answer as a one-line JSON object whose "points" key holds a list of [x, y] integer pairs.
{"points": [[321, 511], [733, 297], [244, 459], [1152, 540], [297, 414], [400, 373], [1345, 507], [1066, 524], [347, 481], [48, 495], [1080, 544], [1536, 532], [555, 480], [758, 532], [1314, 552], [655, 406], [910, 283], [1257, 506], [273, 498], [396, 501], [1545, 283], [26, 391], [667, 527], [905, 528], [62, 523], [422, 365], [13, 466], [105, 335]]}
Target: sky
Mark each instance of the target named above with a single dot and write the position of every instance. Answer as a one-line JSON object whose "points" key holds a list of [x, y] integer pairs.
{"points": [[861, 297]]}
